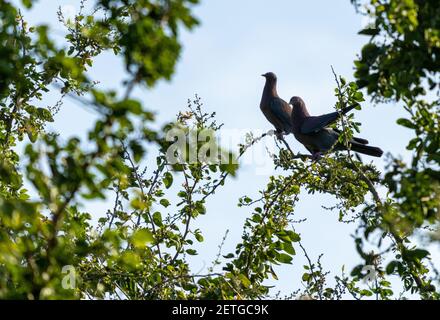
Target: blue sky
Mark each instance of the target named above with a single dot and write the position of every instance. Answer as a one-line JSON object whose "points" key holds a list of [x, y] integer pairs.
{"points": [[222, 62]]}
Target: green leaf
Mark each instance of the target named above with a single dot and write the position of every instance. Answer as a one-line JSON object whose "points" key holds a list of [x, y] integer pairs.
{"points": [[247, 200], [191, 252], [137, 150], [164, 202], [369, 32], [200, 207], [44, 114], [434, 157], [157, 219], [391, 267], [256, 218], [129, 105], [168, 180], [27, 3], [406, 123], [272, 272], [198, 237], [141, 238], [342, 80], [413, 143], [182, 194], [31, 132], [284, 236], [419, 253], [244, 280], [289, 248], [359, 97], [293, 236], [131, 260], [138, 204], [284, 258], [365, 292]]}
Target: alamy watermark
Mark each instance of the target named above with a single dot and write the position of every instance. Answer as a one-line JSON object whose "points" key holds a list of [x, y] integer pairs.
{"points": [[222, 147], [371, 275], [69, 280]]}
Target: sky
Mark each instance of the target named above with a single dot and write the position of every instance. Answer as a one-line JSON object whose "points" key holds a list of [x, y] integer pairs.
{"points": [[222, 61]]}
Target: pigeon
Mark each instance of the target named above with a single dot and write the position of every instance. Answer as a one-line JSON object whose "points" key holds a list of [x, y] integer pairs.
{"points": [[314, 134], [275, 109]]}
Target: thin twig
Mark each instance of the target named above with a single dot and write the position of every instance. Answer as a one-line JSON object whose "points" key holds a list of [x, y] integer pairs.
{"points": [[141, 187], [311, 267]]}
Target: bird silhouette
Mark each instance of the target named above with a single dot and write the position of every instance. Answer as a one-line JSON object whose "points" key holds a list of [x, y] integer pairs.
{"points": [[275, 109], [314, 134]]}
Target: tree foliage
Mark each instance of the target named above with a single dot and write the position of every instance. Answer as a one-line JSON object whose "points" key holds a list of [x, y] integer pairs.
{"points": [[142, 246]]}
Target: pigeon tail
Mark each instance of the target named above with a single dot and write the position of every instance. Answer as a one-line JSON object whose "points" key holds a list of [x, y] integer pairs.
{"points": [[368, 150]]}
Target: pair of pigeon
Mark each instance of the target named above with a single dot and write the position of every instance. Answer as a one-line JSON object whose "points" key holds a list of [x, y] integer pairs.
{"points": [[311, 131]]}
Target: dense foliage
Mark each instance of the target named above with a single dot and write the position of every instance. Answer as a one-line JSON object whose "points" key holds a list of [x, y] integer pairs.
{"points": [[142, 246]]}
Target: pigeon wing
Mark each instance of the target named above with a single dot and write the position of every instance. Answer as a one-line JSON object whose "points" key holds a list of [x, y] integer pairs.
{"points": [[282, 111], [315, 123]]}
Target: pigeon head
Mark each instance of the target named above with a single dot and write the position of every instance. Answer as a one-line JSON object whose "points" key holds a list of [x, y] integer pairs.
{"points": [[298, 107], [297, 102], [270, 76]]}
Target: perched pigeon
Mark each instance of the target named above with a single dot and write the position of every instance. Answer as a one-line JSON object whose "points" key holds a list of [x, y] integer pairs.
{"points": [[313, 133], [276, 110]]}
